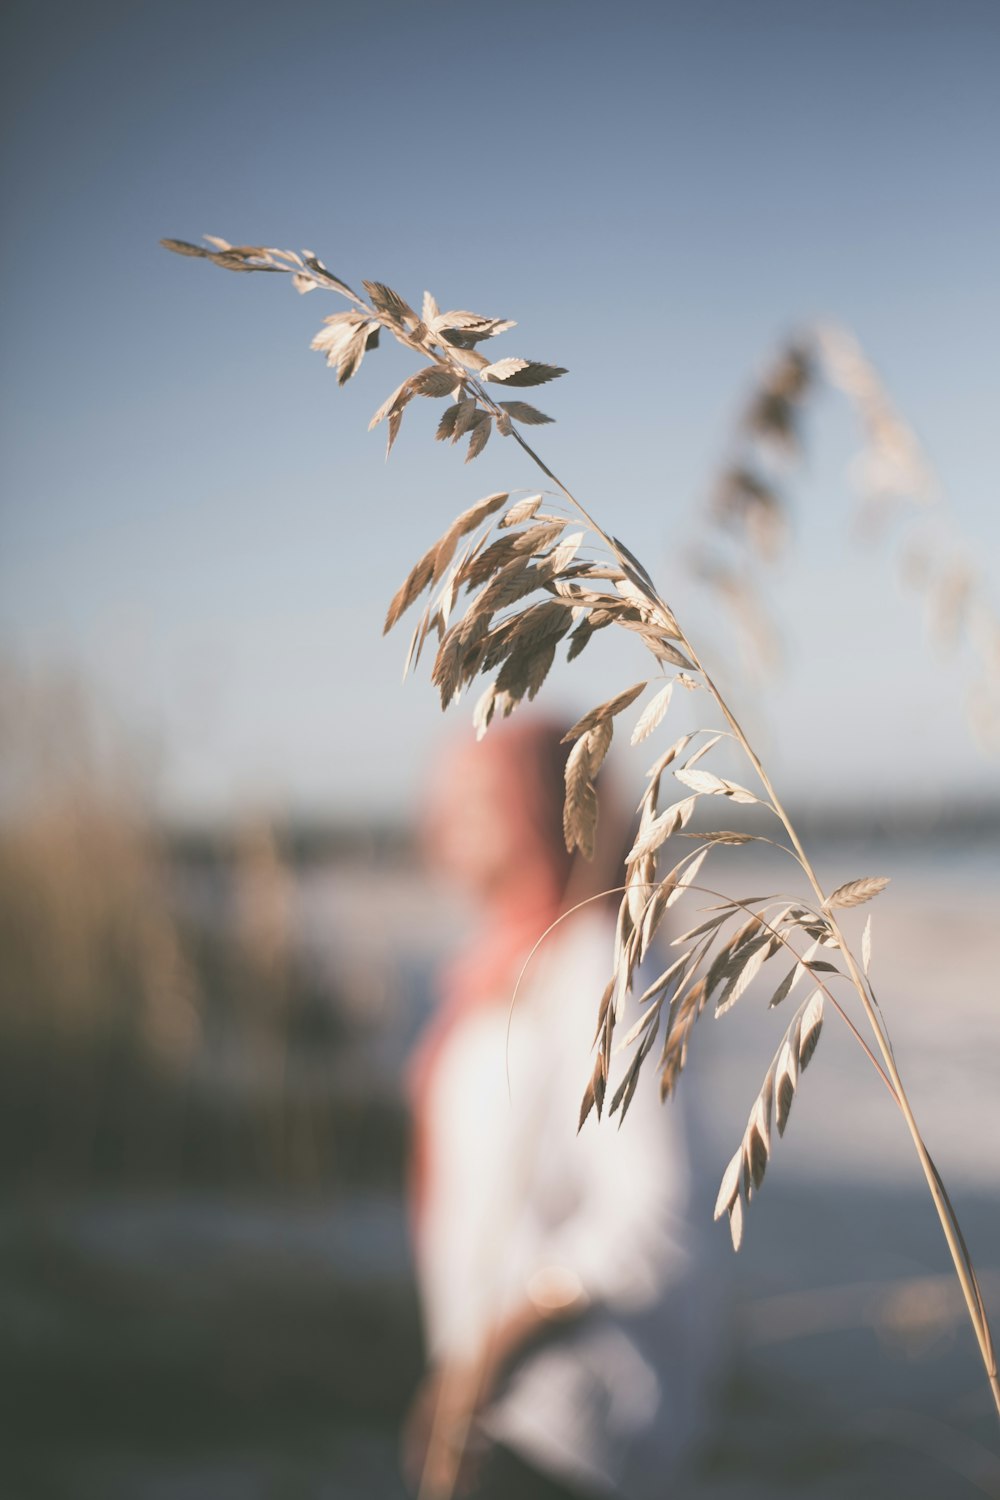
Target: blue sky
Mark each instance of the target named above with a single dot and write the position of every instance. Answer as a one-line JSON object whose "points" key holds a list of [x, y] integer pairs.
{"points": [[197, 519]]}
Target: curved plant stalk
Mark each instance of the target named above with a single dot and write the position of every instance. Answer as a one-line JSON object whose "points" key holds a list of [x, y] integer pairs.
{"points": [[946, 1214], [502, 554]]}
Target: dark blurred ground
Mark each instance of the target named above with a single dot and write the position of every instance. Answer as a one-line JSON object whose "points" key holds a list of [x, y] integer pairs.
{"points": [[205, 1285]]}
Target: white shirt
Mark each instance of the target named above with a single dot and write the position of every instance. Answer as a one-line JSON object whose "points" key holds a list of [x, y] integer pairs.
{"points": [[615, 1398]]}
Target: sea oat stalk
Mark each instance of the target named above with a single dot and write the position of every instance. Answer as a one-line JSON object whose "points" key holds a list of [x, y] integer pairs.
{"points": [[529, 584], [748, 520]]}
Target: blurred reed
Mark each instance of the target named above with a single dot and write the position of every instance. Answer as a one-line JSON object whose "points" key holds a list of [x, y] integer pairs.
{"points": [[158, 1026]]}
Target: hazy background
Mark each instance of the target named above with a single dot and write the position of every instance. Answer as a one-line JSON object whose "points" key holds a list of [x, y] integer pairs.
{"points": [[198, 519], [217, 943]]}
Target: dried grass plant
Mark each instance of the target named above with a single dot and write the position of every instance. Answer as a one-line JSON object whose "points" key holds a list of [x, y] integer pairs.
{"points": [[125, 999], [509, 583], [749, 514], [85, 913]]}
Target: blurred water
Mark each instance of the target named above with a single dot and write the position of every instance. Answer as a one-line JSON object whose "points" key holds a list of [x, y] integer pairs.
{"points": [[231, 1340]]}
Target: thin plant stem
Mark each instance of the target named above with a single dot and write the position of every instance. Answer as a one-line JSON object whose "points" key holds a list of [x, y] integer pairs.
{"points": [[742, 906], [436, 351], [942, 1203]]}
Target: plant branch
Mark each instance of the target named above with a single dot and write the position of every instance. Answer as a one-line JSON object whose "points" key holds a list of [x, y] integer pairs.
{"points": [[942, 1203], [462, 656]]}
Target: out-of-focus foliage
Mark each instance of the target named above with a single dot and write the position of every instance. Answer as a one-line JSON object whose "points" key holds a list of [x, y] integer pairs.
{"points": [[156, 1021], [751, 512]]}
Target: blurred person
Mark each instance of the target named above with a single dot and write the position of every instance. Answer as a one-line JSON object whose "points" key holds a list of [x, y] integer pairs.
{"points": [[566, 1328]]}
